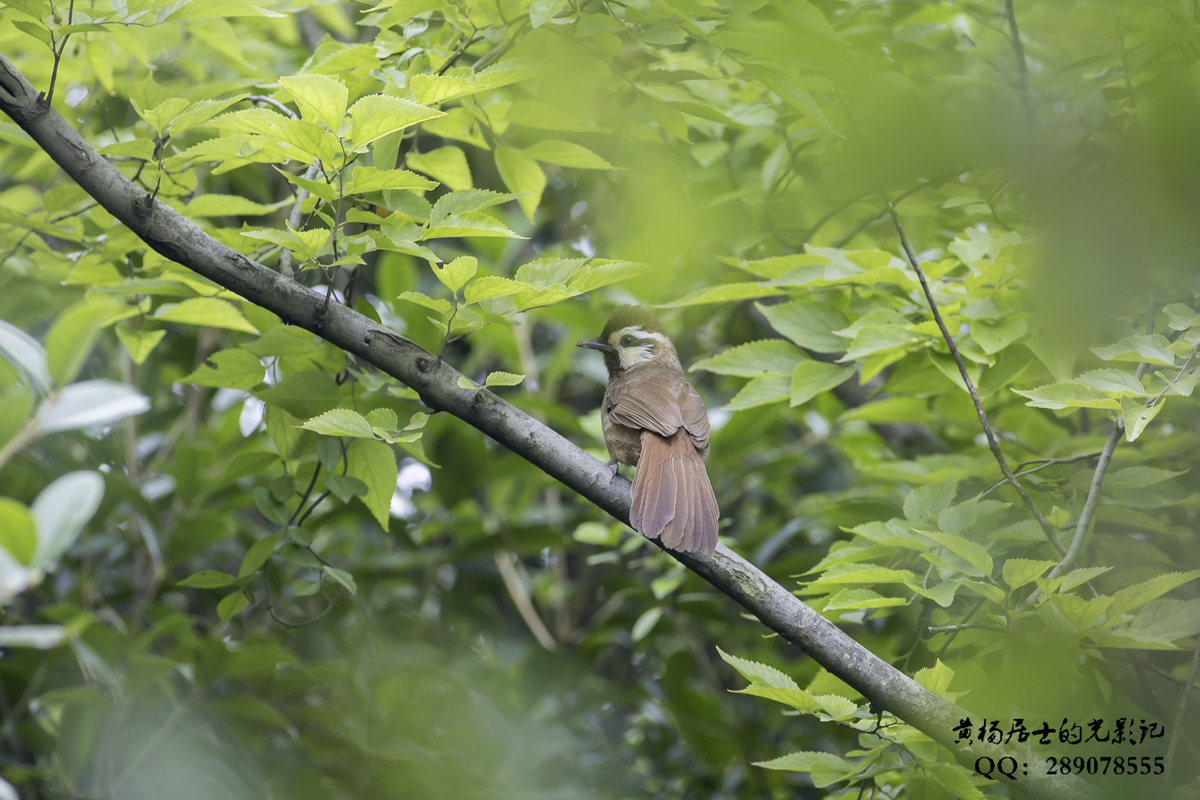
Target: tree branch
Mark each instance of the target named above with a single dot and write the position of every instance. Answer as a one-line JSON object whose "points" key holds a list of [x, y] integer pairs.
{"points": [[176, 238], [962, 369]]}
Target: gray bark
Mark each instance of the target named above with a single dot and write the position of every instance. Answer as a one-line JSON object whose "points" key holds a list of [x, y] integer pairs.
{"points": [[175, 237]]}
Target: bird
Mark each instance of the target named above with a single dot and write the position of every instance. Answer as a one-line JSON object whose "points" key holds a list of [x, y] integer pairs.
{"points": [[655, 420]]}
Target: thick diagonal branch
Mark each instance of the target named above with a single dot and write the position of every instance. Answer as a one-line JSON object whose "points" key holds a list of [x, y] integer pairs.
{"points": [[176, 238]]}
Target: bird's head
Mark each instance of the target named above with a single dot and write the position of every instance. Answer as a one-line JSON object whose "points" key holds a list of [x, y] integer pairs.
{"points": [[631, 337]]}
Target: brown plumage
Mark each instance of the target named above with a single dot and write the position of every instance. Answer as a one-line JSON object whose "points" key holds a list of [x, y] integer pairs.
{"points": [[654, 419]]}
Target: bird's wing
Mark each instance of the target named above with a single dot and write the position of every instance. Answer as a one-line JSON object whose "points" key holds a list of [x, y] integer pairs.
{"points": [[695, 418], [661, 401], [648, 400]]}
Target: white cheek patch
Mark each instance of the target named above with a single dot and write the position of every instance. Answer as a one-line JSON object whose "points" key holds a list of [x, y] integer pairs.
{"points": [[635, 355], [629, 356]]}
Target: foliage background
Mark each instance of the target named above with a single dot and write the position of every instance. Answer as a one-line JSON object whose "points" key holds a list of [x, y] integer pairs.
{"points": [[491, 635]]}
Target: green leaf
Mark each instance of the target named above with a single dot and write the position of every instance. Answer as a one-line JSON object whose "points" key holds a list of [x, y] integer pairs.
{"points": [[1138, 477], [1112, 381], [542, 11], [974, 554], [491, 287], [466, 200], [224, 205], [597, 534], [374, 463], [762, 358], [139, 344], [1180, 317], [208, 579], [806, 762], [645, 623], [811, 378], [370, 179], [522, 175], [956, 780], [87, 403], [18, 531], [760, 391], [206, 312], [342, 577], [303, 394], [1068, 395], [469, 223], [1134, 597], [566, 154], [340, 422], [377, 115], [1019, 571], [1152, 349], [808, 324], [936, 678], [311, 140], [235, 369], [435, 304], [878, 339], [455, 274], [344, 487], [848, 599], [72, 337], [1078, 577], [446, 164], [1136, 416], [465, 383], [995, 336], [258, 554], [758, 673], [231, 605], [503, 379], [61, 510], [724, 293], [317, 188], [431, 89], [161, 115], [320, 98], [599, 272], [927, 502]]}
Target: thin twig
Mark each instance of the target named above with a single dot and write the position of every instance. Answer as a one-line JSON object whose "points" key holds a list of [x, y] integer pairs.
{"points": [[1042, 463], [271, 101], [520, 598], [1019, 52], [1089, 507], [962, 369], [1177, 728], [962, 627]]}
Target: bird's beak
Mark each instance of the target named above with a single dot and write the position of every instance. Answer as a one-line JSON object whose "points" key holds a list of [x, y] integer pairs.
{"points": [[597, 344]]}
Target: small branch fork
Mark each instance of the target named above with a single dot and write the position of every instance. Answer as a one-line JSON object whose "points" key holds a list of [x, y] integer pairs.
{"points": [[1051, 535]]}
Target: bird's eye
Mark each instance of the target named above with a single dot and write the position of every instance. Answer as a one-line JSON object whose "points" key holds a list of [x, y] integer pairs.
{"points": [[628, 340]]}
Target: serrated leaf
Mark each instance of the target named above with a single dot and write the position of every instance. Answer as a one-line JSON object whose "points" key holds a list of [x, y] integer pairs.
{"points": [[760, 391], [566, 154], [342, 577], [503, 379], [491, 287], [808, 324], [811, 378], [466, 200], [377, 115], [974, 554], [370, 179], [1019, 571], [804, 762], [1137, 415], [455, 274], [758, 673], [936, 678], [861, 598], [340, 422], [446, 164], [1068, 395], [233, 369], [725, 293], [206, 312], [762, 358], [1152, 349], [224, 205], [374, 463], [431, 89], [1134, 597], [469, 223], [344, 487], [1112, 381], [320, 98], [435, 304]]}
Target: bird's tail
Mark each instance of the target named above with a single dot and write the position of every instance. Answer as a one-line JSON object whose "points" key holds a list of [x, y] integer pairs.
{"points": [[673, 499]]}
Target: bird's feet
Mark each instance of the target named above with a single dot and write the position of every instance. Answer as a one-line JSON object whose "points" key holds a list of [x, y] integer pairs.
{"points": [[613, 466]]}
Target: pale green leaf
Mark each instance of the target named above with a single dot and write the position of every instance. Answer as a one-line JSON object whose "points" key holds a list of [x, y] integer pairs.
{"points": [[233, 369], [724, 293], [446, 164], [974, 554], [754, 359], [374, 463], [1068, 395], [224, 205], [370, 179], [807, 323], [760, 391], [522, 175], [1152, 349], [18, 531], [503, 379], [848, 599], [758, 673], [340, 422], [455, 274], [435, 304], [206, 312], [566, 154], [377, 115], [1019, 571], [811, 378], [320, 98]]}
